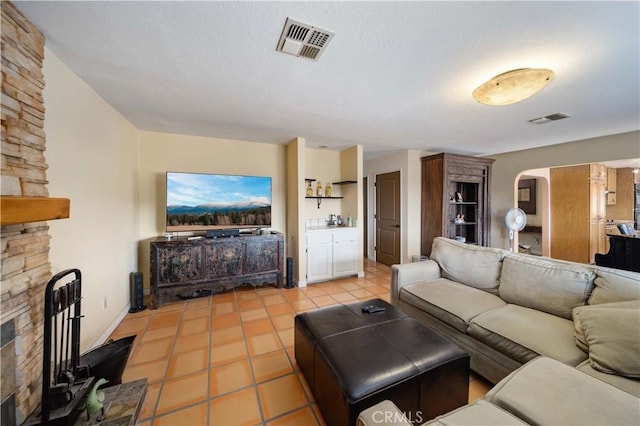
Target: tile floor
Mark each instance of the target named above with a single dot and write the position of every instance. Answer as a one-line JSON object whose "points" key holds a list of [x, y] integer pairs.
{"points": [[229, 360]]}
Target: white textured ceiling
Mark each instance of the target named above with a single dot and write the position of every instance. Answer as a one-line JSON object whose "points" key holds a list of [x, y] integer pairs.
{"points": [[397, 75]]}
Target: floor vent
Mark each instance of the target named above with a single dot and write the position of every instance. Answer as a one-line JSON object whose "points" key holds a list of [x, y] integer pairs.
{"points": [[549, 118], [303, 40]]}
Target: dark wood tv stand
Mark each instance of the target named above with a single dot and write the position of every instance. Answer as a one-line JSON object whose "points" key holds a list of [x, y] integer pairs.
{"points": [[182, 267]]}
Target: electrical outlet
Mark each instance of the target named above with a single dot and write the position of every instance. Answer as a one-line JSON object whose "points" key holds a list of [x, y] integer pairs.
{"points": [[104, 303]]}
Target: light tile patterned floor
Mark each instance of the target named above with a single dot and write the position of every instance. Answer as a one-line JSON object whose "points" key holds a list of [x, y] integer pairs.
{"points": [[228, 359]]}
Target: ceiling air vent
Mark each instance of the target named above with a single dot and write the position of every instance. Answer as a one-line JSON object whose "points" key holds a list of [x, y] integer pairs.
{"points": [[303, 40], [549, 118]]}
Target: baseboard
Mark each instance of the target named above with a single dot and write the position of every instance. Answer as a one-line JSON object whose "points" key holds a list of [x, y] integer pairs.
{"points": [[105, 334], [302, 283], [361, 274]]}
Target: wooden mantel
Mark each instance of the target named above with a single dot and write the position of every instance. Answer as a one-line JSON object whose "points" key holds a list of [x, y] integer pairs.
{"points": [[14, 210]]}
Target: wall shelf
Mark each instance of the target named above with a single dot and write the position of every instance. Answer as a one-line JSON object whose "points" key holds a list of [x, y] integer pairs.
{"points": [[32, 209], [344, 182], [322, 198], [532, 229]]}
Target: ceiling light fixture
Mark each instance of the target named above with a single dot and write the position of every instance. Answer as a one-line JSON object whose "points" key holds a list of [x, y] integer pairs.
{"points": [[513, 86]]}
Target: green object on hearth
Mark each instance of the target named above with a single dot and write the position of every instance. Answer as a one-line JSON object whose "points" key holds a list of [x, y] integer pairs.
{"points": [[95, 400]]}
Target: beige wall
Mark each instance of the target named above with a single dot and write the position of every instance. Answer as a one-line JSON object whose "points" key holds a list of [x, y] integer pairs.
{"points": [[505, 171], [509, 165], [159, 153], [324, 166], [295, 205], [117, 192], [352, 205], [409, 165], [91, 150]]}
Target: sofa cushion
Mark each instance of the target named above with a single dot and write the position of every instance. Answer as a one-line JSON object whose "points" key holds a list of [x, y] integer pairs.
{"points": [[612, 333], [578, 333], [545, 391], [479, 413], [626, 384], [615, 285], [409, 273], [524, 333], [581, 339], [471, 265], [451, 302], [383, 413], [545, 285]]}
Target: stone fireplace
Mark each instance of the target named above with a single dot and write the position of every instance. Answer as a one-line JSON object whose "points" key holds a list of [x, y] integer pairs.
{"points": [[25, 267]]}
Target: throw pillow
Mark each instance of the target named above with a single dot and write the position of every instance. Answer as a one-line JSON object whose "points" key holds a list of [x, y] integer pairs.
{"points": [[611, 332]]}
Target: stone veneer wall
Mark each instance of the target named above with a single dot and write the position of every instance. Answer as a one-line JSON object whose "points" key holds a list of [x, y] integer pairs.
{"points": [[24, 253]]}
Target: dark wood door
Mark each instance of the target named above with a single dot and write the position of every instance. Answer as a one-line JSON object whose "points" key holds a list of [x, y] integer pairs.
{"points": [[388, 218]]}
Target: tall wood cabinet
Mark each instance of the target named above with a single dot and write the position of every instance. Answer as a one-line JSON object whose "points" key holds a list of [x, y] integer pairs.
{"points": [[578, 212], [455, 199]]}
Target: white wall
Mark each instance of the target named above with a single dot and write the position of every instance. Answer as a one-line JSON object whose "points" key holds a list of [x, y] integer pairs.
{"points": [[507, 167], [159, 153], [91, 152]]}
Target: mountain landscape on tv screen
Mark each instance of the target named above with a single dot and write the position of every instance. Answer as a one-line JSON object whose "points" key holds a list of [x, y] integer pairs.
{"points": [[197, 201], [245, 213]]}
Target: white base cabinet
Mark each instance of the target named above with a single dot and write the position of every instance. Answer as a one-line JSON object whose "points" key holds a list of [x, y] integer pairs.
{"points": [[331, 253]]}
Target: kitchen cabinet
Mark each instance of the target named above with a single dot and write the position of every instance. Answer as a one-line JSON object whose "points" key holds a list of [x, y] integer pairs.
{"points": [[597, 218], [331, 253], [612, 180], [455, 199], [319, 256], [578, 212]]}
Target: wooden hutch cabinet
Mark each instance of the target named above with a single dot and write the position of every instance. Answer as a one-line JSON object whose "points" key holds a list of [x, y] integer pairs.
{"points": [[455, 199], [181, 267]]}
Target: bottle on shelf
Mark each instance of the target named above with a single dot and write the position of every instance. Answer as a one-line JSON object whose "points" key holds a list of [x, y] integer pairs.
{"points": [[327, 190], [309, 189], [319, 189]]}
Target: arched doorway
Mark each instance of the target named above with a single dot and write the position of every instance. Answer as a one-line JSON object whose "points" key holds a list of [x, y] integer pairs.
{"points": [[531, 194]]}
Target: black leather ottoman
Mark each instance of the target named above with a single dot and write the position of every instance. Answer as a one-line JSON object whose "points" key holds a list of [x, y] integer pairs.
{"points": [[353, 360]]}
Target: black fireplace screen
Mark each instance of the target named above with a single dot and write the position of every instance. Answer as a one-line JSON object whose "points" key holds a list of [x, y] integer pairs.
{"points": [[64, 383], [68, 376]]}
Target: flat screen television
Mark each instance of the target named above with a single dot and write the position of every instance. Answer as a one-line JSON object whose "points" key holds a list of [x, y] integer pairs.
{"points": [[200, 201]]}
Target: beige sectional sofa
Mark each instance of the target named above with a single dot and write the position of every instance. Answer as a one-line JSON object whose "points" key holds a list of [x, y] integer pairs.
{"points": [[542, 392], [507, 309]]}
